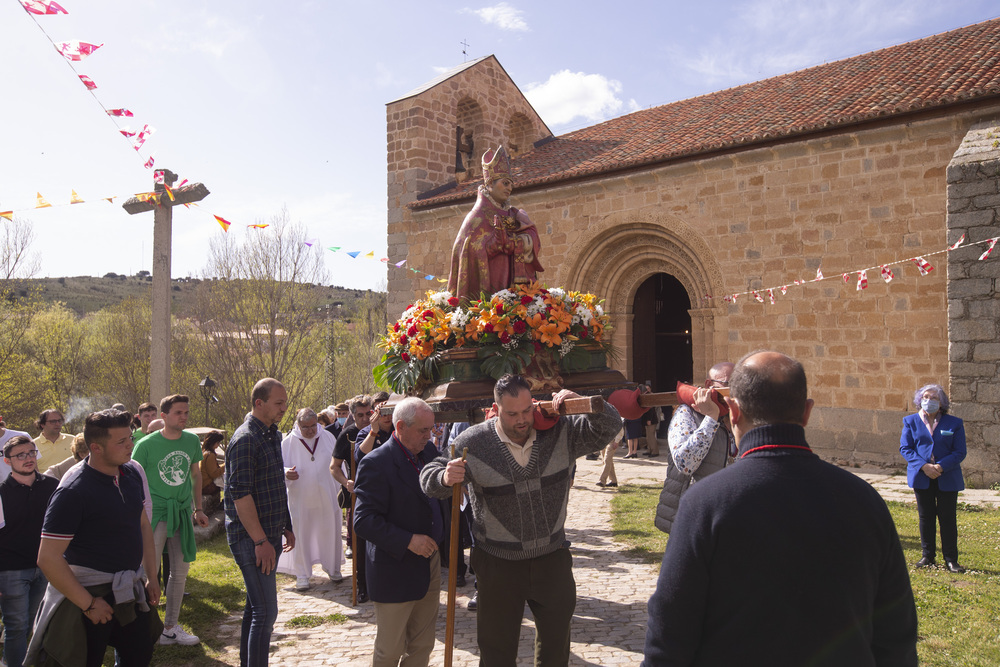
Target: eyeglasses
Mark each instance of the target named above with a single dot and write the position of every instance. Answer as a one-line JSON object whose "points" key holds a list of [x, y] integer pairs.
{"points": [[33, 454]]}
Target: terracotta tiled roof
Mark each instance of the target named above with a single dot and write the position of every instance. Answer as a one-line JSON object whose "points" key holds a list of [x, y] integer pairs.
{"points": [[933, 72]]}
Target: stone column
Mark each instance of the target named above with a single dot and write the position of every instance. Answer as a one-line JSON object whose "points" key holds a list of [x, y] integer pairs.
{"points": [[974, 300]]}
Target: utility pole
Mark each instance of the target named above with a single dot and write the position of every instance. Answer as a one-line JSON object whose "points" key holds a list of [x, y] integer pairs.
{"points": [[161, 203]]}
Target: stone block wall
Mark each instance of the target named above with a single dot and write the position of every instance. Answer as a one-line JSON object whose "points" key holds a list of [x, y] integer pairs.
{"points": [[974, 299], [762, 218]]}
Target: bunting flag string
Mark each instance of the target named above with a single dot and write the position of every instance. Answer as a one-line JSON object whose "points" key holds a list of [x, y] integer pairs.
{"points": [[74, 51], [923, 266]]}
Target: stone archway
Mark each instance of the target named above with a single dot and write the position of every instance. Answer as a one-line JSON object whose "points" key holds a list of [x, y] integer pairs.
{"points": [[615, 256]]}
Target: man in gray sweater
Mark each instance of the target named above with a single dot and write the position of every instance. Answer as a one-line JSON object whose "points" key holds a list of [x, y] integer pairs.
{"points": [[519, 471]]}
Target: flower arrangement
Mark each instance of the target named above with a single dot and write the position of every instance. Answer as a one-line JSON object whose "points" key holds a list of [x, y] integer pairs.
{"points": [[507, 329]]}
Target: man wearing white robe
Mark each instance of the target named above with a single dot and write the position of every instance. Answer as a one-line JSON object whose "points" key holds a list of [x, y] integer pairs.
{"points": [[312, 501]]}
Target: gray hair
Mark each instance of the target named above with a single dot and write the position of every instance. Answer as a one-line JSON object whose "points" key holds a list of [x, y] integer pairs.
{"points": [[942, 397], [304, 415], [408, 409]]}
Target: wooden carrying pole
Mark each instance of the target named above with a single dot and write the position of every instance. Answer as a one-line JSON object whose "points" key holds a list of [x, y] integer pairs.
{"points": [[668, 398], [574, 406], [456, 511], [354, 540]]}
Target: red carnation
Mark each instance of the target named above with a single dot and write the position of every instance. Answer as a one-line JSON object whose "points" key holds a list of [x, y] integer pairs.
{"points": [[453, 301], [403, 339], [525, 300], [405, 357], [488, 328], [520, 326], [499, 309], [395, 327], [584, 334], [428, 314], [538, 346], [412, 331], [504, 338]]}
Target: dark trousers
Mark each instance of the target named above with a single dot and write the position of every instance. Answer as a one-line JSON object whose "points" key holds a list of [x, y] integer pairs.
{"points": [[132, 642], [546, 583], [935, 504]]}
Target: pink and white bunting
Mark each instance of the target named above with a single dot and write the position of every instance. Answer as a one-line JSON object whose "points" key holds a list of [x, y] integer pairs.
{"points": [[862, 279], [957, 243], [986, 254], [75, 50], [770, 295], [923, 265], [120, 113], [42, 7], [88, 82], [887, 274]]}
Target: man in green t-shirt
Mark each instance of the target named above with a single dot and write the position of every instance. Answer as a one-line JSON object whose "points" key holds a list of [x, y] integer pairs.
{"points": [[146, 413], [171, 460]]}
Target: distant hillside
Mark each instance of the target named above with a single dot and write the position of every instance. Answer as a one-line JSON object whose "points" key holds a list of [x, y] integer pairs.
{"points": [[87, 294]]}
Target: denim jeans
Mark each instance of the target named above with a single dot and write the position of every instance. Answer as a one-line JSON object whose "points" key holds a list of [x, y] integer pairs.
{"points": [[261, 608], [22, 592]]}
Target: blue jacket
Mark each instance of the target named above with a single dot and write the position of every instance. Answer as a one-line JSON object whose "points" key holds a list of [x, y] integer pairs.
{"points": [[391, 508], [947, 448]]}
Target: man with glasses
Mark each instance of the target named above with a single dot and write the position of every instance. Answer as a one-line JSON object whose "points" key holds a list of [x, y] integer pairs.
{"points": [[25, 496], [5, 435], [701, 443], [53, 445]]}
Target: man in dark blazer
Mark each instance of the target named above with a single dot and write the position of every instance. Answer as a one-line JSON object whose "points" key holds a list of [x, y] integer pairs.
{"points": [[781, 559], [402, 527]]}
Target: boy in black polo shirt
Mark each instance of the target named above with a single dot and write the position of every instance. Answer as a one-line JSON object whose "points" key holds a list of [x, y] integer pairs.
{"points": [[25, 495], [95, 534]]}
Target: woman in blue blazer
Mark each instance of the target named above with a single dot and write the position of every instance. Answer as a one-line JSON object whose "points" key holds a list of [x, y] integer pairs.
{"points": [[933, 444]]}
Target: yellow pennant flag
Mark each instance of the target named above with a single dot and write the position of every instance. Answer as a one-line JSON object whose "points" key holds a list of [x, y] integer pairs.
{"points": [[75, 198], [371, 254], [442, 280], [7, 214], [41, 201], [222, 223]]}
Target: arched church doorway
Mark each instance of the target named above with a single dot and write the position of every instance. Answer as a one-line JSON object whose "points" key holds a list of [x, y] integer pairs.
{"points": [[661, 333]]}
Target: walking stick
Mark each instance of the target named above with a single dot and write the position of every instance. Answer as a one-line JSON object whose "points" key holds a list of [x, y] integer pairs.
{"points": [[354, 540], [449, 626]]}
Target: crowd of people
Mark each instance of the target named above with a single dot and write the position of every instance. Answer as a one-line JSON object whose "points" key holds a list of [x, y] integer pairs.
{"points": [[81, 543]]}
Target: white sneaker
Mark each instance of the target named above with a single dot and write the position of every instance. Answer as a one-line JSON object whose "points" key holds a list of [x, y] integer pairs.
{"points": [[176, 635], [301, 583]]}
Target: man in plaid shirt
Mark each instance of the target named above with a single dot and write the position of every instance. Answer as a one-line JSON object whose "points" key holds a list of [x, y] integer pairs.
{"points": [[257, 516]]}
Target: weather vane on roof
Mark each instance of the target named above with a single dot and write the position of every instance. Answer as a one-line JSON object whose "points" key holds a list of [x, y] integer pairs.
{"points": [[465, 49]]}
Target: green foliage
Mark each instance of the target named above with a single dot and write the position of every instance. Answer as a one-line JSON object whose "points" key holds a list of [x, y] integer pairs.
{"points": [[405, 377], [312, 621], [499, 361]]}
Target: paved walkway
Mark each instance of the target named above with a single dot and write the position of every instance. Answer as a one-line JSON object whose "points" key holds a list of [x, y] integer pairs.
{"points": [[612, 589]]}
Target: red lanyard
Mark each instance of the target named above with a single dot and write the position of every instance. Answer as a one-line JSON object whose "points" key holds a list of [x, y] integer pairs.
{"points": [[312, 452], [757, 449], [409, 457]]}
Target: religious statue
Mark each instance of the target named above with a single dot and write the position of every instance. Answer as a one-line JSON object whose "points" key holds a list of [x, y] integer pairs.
{"points": [[497, 246]]}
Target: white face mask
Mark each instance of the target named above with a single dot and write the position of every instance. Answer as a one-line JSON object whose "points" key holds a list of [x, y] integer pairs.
{"points": [[341, 420], [930, 405]]}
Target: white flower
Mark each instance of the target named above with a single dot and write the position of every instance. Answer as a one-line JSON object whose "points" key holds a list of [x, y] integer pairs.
{"points": [[440, 299], [407, 313], [582, 315], [557, 292], [458, 319], [565, 348], [599, 309], [507, 296]]}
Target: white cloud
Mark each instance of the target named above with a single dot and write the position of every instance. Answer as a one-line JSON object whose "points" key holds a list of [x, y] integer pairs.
{"points": [[501, 15], [567, 96], [780, 36]]}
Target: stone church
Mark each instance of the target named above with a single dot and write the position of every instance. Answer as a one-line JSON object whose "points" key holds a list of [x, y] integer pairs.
{"points": [[668, 212]]}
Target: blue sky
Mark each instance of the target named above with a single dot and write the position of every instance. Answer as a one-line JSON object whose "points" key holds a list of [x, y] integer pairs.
{"points": [[276, 105]]}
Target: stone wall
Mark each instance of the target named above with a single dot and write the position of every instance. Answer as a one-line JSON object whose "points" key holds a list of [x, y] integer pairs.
{"points": [[763, 217], [974, 299]]}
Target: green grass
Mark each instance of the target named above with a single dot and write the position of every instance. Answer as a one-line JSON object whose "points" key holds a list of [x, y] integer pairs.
{"points": [[311, 621], [959, 615]]}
